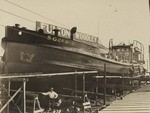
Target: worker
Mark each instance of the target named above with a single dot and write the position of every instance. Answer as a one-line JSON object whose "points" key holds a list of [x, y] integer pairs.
{"points": [[52, 97], [139, 69], [143, 71], [131, 70]]}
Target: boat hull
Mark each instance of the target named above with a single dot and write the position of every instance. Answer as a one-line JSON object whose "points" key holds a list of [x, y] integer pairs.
{"points": [[27, 58]]}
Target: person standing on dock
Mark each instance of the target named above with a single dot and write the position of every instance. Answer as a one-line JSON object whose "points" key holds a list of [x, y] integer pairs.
{"points": [[52, 97]]}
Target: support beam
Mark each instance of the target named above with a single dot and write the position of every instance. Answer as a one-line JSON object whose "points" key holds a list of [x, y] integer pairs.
{"points": [[7, 76], [75, 104], [96, 89], [1, 110], [9, 82], [118, 77], [115, 88], [24, 95], [75, 85], [123, 83], [104, 84], [88, 92], [83, 91]]}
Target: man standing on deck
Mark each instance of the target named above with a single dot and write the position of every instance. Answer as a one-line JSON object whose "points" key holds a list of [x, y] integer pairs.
{"points": [[132, 71], [52, 97]]}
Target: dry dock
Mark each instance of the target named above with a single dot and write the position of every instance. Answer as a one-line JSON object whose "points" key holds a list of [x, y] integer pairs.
{"points": [[136, 102]]}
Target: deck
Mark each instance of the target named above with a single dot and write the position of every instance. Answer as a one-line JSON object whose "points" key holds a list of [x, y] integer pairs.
{"points": [[136, 102]]}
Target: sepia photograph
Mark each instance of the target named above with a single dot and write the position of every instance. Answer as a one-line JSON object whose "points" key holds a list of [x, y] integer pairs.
{"points": [[75, 56]]}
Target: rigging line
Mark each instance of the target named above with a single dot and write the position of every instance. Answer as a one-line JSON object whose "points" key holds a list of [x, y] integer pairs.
{"points": [[17, 15], [35, 13]]}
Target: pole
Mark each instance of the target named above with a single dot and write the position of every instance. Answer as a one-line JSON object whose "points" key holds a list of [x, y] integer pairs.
{"points": [[122, 91], [75, 104], [139, 81], [45, 75], [104, 84], [96, 89], [24, 96], [115, 88], [75, 85], [123, 83], [8, 94], [83, 91]]}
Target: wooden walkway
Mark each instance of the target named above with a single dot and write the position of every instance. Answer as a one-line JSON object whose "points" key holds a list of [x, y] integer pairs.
{"points": [[137, 102]]}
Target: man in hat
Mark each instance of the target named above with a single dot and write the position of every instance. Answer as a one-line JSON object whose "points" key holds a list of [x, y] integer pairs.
{"points": [[52, 97], [52, 94]]}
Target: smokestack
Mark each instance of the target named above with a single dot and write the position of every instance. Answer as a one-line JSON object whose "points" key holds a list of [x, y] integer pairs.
{"points": [[73, 31]]}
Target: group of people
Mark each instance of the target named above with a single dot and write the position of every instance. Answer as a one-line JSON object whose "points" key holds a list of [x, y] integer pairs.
{"points": [[55, 101], [141, 70]]}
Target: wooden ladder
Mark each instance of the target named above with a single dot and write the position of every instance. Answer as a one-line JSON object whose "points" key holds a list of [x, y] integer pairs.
{"points": [[33, 104]]}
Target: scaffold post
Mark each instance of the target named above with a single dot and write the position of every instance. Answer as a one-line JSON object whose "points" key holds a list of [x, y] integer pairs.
{"points": [[104, 84], [83, 91], [9, 83], [97, 88], [24, 95], [1, 110]]}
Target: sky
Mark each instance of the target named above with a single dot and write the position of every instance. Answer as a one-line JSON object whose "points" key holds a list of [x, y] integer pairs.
{"points": [[120, 20]]}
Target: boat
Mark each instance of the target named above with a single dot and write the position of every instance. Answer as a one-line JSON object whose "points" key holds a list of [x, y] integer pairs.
{"points": [[51, 48]]}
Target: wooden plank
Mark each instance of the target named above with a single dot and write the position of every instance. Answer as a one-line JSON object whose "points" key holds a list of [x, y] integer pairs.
{"points": [[35, 94], [117, 86], [138, 102], [118, 77], [10, 76], [89, 92]]}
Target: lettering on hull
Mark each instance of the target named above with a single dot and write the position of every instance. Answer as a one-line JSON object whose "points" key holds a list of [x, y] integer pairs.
{"points": [[65, 33], [56, 39]]}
